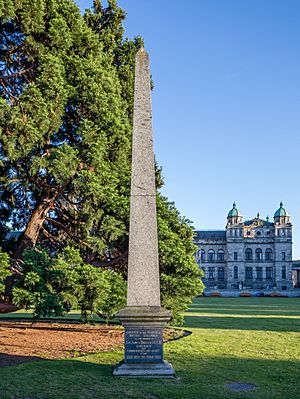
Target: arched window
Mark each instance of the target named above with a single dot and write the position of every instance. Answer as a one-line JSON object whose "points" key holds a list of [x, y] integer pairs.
{"points": [[220, 255], [211, 255], [249, 255], [258, 254], [202, 255], [269, 254], [235, 273]]}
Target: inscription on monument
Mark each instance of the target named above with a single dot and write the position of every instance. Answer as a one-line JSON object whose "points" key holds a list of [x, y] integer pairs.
{"points": [[143, 345]]}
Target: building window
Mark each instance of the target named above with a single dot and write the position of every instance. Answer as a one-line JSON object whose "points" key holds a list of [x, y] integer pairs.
{"points": [[269, 254], [211, 255], [258, 233], [211, 273], [258, 254], [248, 273], [249, 255], [269, 273], [202, 255], [268, 233], [283, 256], [235, 273], [259, 274], [248, 233], [220, 255], [235, 256], [221, 273], [283, 272]]}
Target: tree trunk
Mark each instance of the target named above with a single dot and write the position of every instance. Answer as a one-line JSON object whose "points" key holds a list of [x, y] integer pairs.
{"points": [[27, 240], [7, 307], [31, 234]]}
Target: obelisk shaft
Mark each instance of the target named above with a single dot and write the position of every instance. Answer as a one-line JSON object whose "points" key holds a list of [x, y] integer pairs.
{"points": [[143, 318], [143, 266]]}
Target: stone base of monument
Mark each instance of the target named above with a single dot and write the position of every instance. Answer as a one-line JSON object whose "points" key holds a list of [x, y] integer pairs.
{"points": [[156, 370], [143, 350]]}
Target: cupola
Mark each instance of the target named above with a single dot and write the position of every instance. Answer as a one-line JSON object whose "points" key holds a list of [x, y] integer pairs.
{"points": [[234, 215], [281, 216]]}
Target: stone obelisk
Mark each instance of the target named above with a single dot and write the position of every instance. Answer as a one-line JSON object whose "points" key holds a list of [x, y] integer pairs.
{"points": [[143, 318]]}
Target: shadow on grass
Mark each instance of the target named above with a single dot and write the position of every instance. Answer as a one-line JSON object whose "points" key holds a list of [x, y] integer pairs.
{"points": [[198, 377], [243, 323], [12, 360]]}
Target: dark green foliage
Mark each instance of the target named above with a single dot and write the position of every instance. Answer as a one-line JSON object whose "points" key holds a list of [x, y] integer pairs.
{"points": [[4, 270], [66, 105], [180, 275], [64, 131], [55, 285]]}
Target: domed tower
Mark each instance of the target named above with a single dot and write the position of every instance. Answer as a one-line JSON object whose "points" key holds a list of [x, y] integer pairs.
{"points": [[283, 249], [281, 216], [234, 216]]}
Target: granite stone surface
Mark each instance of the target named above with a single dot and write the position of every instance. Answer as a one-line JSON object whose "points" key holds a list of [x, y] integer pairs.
{"points": [[153, 370], [143, 318], [143, 268]]}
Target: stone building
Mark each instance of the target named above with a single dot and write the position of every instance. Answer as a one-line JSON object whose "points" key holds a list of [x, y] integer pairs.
{"points": [[296, 273], [250, 254]]}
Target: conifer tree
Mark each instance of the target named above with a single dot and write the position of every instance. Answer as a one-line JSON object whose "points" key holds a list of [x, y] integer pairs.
{"points": [[66, 104]]}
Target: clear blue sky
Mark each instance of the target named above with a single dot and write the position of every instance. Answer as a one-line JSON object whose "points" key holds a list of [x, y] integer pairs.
{"points": [[226, 103]]}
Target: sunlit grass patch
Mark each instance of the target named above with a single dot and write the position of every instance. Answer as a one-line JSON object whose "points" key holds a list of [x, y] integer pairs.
{"points": [[248, 340]]}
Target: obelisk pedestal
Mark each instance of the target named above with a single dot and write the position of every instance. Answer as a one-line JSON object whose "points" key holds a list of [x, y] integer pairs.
{"points": [[143, 318]]}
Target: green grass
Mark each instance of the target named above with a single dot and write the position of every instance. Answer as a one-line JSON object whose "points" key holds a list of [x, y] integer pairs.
{"points": [[254, 340]]}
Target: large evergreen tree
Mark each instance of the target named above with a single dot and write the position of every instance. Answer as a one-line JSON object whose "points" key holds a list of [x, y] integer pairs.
{"points": [[66, 103]]}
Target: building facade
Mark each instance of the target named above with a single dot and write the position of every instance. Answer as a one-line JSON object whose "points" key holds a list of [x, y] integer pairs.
{"points": [[251, 254]]}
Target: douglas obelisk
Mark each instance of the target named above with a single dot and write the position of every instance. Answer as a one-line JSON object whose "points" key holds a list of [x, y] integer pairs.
{"points": [[143, 318]]}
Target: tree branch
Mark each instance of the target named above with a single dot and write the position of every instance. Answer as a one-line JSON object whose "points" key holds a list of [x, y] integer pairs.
{"points": [[112, 262]]}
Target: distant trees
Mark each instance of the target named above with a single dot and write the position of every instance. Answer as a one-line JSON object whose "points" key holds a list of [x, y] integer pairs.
{"points": [[66, 104]]}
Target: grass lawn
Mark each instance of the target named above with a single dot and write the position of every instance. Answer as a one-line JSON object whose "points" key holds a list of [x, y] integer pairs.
{"points": [[252, 340]]}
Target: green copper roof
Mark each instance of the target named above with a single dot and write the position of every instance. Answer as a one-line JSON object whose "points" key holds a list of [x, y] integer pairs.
{"points": [[234, 211], [281, 211]]}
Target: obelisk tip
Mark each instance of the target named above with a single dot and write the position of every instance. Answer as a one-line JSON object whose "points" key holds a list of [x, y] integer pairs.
{"points": [[142, 52]]}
